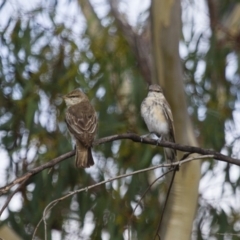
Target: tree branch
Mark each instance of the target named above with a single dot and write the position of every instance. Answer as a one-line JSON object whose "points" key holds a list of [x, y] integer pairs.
{"points": [[183, 148], [48, 208], [36, 170], [131, 136], [10, 197]]}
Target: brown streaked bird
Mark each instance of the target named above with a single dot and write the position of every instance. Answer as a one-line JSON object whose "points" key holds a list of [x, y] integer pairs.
{"points": [[81, 120], [157, 115]]}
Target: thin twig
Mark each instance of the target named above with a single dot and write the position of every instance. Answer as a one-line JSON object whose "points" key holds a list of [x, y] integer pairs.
{"points": [[132, 136], [45, 221], [228, 234], [183, 148], [165, 204], [36, 170], [54, 202], [36, 228], [45, 226], [145, 192], [10, 197]]}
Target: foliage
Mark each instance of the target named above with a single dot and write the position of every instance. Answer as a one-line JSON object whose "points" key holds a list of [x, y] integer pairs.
{"points": [[40, 61], [211, 69]]}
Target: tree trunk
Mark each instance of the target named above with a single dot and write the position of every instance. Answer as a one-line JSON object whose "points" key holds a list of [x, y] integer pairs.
{"points": [[167, 71]]}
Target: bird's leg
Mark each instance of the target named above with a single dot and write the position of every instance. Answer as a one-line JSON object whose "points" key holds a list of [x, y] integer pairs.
{"points": [[160, 138], [145, 136]]}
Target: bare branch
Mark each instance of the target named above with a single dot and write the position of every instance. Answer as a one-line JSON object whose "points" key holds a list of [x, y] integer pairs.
{"points": [[165, 204], [56, 201], [143, 195], [183, 148], [36, 170], [10, 197], [131, 136]]}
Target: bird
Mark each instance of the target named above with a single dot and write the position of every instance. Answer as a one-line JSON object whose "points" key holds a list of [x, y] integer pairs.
{"points": [[157, 115], [81, 120]]}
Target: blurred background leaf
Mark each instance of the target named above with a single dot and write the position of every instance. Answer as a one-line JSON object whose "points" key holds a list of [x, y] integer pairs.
{"points": [[43, 57]]}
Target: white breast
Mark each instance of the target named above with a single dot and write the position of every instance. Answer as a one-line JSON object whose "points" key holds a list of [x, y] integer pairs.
{"points": [[154, 117]]}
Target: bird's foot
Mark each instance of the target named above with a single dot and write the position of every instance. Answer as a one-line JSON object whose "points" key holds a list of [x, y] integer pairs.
{"points": [[144, 136], [174, 167], [159, 140]]}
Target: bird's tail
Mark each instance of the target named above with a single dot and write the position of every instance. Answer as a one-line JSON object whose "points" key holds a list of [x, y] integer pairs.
{"points": [[170, 154], [83, 157]]}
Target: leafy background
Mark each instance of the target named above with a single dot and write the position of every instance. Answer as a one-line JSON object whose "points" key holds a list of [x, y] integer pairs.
{"points": [[45, 54]]}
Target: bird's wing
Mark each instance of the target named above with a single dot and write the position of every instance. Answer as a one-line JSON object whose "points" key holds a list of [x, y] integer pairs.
{"points": [[170, 154], [81, 119], [169, 117]]}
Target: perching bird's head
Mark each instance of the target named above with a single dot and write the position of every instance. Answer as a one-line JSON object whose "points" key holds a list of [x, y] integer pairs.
{"points": [[155, 88], [74, 97]]}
